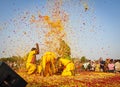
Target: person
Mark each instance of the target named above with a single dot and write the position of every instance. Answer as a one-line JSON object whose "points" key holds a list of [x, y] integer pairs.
{"points": [[102, 63], [106, 64], [87, 65], [47, 64], [77, 67], [92, 64], [117, 66], [97, 66], [69, 67], [111, 66], [31, 60]]}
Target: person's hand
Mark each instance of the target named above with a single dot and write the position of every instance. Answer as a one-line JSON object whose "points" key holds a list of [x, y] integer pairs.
{"points": [[36, 44]]}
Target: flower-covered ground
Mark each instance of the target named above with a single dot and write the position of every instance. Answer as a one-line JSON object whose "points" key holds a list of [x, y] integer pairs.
{"points": [[83, 79]]}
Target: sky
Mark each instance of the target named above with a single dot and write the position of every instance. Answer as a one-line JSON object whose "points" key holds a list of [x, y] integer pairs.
{"points": [[93, 33]]}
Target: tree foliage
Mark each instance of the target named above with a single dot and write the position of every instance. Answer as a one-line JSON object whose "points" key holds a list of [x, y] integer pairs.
{"points": [[17, 59], [64, 50], [83, 59]]}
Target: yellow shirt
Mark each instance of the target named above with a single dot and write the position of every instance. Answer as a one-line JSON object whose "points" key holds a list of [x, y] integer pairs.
{"points": [[30, 56], [64, 61]]}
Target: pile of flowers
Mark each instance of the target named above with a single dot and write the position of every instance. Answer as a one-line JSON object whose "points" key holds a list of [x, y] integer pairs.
{"points": [[83, 79]]}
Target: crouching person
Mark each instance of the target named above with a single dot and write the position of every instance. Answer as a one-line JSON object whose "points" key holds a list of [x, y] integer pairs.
{"points": [[69, 67], [47, 65], [31, 60]]}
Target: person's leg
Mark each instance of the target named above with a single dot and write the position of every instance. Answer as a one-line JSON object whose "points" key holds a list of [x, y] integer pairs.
{"points": [[32, 69], [39, 69], [47, 68], [27, 66]]}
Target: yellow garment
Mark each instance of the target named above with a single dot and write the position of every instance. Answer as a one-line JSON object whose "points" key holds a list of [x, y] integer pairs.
{"points": [[48, 63], [39, 68], [97, 68], [30, 56], [30, 66], [48, 57], [69, 67]]}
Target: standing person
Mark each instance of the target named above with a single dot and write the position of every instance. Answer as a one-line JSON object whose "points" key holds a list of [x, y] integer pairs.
{"points": [[106, 64], [102, 64], [97, 66], [31, 60], [87, 65], [48, 63], [77, 67], [69, 67], [117, 66], [111, 66], [92, 64]]}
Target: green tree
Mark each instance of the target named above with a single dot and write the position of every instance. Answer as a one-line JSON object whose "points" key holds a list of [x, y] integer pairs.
{"points": [[64, 50], [83, 59]]}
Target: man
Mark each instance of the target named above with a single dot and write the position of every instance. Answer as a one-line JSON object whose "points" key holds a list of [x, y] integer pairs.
{"points": [[87, 65], [31, 60], [117, 66], [69, 67], [102, 64], [48, 63]]}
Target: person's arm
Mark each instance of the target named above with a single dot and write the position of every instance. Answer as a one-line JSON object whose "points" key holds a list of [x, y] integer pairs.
{"points": [[37, 48], [43, 62], [33, 60]]}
